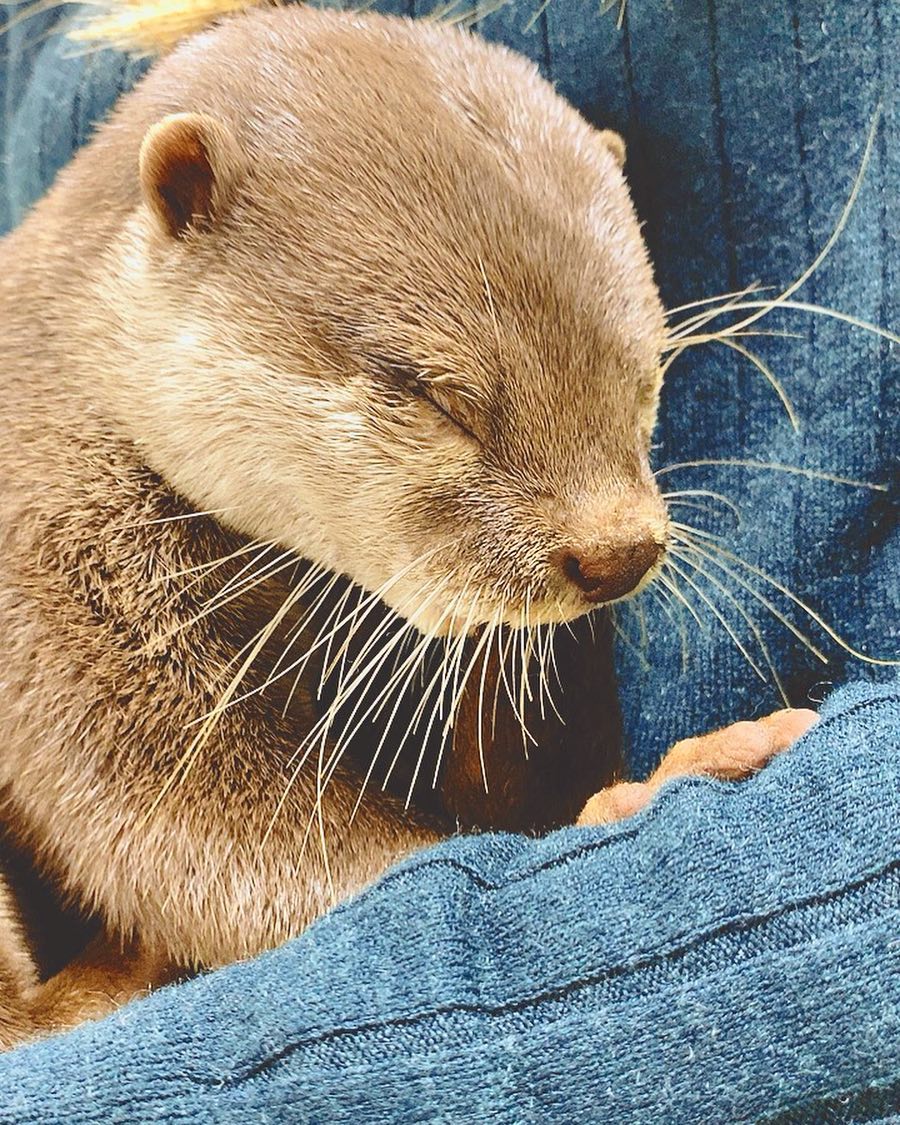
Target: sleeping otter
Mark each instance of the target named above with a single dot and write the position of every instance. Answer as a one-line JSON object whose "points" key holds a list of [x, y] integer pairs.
{"points": [[371, 296]]}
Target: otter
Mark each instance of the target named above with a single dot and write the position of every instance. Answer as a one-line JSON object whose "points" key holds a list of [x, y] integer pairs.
{"points": [[364, 294]]}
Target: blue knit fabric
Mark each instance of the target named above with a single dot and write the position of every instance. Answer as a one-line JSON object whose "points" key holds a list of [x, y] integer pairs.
{"points": [[733, 954], [730, 954]]}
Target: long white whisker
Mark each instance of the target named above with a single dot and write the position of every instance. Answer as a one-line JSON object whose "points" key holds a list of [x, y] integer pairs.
{"points": [[794, 470], [807, 609], [687, 553]]}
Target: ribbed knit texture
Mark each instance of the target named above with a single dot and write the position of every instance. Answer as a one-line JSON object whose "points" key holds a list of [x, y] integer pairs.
{"points": [[733, 954]]}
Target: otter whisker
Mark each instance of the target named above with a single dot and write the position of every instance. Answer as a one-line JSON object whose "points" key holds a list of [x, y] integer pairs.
{"points": [[450, 649], [415, 719], [553, 628], [320, 817], [502, 650], [227, 585], [372, 601], [458, 688], [697, 505], [686, 553], [435, 713], [234, 589], [204, 568], [534, 655], [356, 621], [363, 674], [793, 470], [413, 725], [637, 609], [409, 668], [479, 718], [542, 7], [719, 335], [719, 617], [295, 634], [704, 493], [676, 332], [524, 688], [807, 609], [319, 734], [344, 686], [762, 308], [451, 653], [172, 519], [540, 647], [377, 752], [184, 763], [493, 310], [670, 583], [528, 648], [336, 613], [675, 613], [757, 596], [794, 306], [545, 669], [490, 630], [739, 293], [769, 375], [563, 617], [313, 576], [354, 625], [310, 579], [265, 548], [219, 604], [623, 636], [463, 680], [510, 648]]}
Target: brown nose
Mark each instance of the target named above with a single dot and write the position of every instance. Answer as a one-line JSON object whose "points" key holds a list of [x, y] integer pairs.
{"points": [[610, 572]]}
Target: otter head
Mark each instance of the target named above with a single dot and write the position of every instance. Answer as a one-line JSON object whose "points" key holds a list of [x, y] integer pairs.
{"points": [[386, 302]]}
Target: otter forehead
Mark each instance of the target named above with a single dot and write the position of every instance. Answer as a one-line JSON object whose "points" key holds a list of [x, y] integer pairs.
{"points": [[418, 198], [421, 139]]}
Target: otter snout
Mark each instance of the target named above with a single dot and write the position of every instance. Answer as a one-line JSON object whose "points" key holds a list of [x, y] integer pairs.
{"points": [[610, 545], [611, 571]]}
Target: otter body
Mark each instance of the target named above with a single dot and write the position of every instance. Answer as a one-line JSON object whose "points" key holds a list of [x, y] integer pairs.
{"points": [[370, 292]]}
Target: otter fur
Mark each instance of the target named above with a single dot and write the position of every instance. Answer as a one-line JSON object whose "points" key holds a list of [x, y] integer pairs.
{"points": [[361, 289]]}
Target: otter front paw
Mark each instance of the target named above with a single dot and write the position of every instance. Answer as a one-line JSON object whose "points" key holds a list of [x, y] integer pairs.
{"points": [[731, 754]]}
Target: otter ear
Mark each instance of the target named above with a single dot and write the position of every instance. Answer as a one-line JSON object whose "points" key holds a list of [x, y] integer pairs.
{"points": [[189, 163], [614, 144]]}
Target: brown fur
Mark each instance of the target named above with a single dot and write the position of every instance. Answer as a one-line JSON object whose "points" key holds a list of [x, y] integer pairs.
{"points": [[404, 314]]}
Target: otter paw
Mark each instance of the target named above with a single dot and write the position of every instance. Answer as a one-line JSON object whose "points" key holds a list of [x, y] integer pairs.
{"points": [[731, 754]]}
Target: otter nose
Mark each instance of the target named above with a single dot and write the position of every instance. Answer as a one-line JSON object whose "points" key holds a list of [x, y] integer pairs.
{"points": [[610, 572]]}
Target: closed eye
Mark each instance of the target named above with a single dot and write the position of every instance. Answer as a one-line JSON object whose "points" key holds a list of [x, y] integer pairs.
{"points": [[411, 380]]}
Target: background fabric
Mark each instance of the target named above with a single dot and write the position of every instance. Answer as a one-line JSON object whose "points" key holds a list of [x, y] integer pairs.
{"points": [[731, 954], [745, 129]]}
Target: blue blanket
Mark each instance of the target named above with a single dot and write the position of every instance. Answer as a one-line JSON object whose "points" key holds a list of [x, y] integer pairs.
{"points": [[731, 954], [653, 981]]}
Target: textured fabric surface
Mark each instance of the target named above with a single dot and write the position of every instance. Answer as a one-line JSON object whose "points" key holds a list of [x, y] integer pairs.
{"points": [[733, 954], [730, 954]]}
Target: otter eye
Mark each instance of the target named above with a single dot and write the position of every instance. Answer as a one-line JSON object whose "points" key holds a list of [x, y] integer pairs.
{"points": [[410, 379]]}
